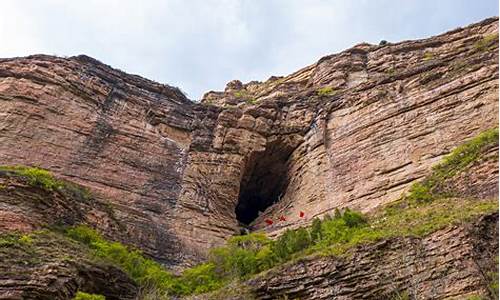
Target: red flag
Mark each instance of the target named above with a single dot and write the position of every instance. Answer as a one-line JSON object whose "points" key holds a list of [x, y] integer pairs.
{"points": [[282, 218], [301, 214], [269, 221]]}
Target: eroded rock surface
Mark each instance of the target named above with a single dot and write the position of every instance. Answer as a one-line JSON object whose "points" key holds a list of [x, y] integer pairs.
{"points": [[50, 267], [355, 129], [449, 264]]}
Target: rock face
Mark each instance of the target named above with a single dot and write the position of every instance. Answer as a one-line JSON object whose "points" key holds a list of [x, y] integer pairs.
{"points": [[449, 264], [124, 137], [457, 262], [52, 268], [355, 129], [41, 264]]}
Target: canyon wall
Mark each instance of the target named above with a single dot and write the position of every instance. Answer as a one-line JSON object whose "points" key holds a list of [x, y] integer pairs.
{"points": [[355, 129]]}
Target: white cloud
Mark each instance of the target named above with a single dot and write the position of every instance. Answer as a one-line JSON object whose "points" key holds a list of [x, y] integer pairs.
{"points": [[200, 45]]}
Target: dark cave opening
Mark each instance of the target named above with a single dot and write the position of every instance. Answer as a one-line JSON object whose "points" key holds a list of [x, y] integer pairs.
{"points": [[263, 183]]}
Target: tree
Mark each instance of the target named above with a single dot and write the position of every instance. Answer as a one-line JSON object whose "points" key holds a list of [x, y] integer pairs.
{"points": [[316, 233], [302, 239], [353, 219]]}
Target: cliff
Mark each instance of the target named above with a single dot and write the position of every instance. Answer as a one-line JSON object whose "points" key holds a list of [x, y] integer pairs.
{"points": [[175, 178]]}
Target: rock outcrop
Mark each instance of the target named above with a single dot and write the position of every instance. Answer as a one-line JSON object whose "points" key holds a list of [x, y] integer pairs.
{"points": [[355, 129], [449, 264], [38, 263], [50, 267]]}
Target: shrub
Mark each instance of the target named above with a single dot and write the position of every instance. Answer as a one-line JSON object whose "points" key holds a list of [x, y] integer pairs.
{"points": [[326, 91], [200, 279], [266, 258], [339, 230], [353, 219], [26, 239], [251, 242], [144, 271], [302, 240], [35, 176], [428, 56], [242, 255], [85, 296]]}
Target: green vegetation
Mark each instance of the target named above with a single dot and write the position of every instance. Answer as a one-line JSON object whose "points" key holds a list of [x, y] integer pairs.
{"points": [[493, 277], [326, 91], [243, 94], [251, 100], [146, 272], [35, 176], [474, 297], [85, 296], [401, 296], [44, 179], [487, 42], [391, 71], [26, 239], [8, 240], [240, 94], [250, 254], [424, 210], [428, 56], [241, 257], [461, 158]]}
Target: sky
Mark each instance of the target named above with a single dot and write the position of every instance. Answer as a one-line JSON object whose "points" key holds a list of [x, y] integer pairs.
{"points": [[200, 45]]}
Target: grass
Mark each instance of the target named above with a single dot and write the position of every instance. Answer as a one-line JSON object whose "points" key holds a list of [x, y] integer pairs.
{"points": [[85, 296], [428, 56], [243, 94], [24, 240], [148, 274], [35, 176], [251, 101], [240, 94], [458, 160], [41, 178], [487, 42], [326, 91]]}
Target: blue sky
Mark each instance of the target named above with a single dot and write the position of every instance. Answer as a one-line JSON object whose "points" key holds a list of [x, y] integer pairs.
{"points": [[201, 45]]}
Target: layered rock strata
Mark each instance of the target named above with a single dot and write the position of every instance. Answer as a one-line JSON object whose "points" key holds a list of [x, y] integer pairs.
{"points": [[355, 129]]}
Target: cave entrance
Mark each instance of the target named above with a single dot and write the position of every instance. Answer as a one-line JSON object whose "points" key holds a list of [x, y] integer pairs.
{"points": [[264, 181]]}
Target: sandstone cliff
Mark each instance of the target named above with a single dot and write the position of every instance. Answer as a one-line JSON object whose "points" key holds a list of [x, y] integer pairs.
{"points": [[355, 129]]}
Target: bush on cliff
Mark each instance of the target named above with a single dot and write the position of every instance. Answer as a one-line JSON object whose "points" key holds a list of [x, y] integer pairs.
{"points": [[85, 296], [44, 179], [35, 176]]}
